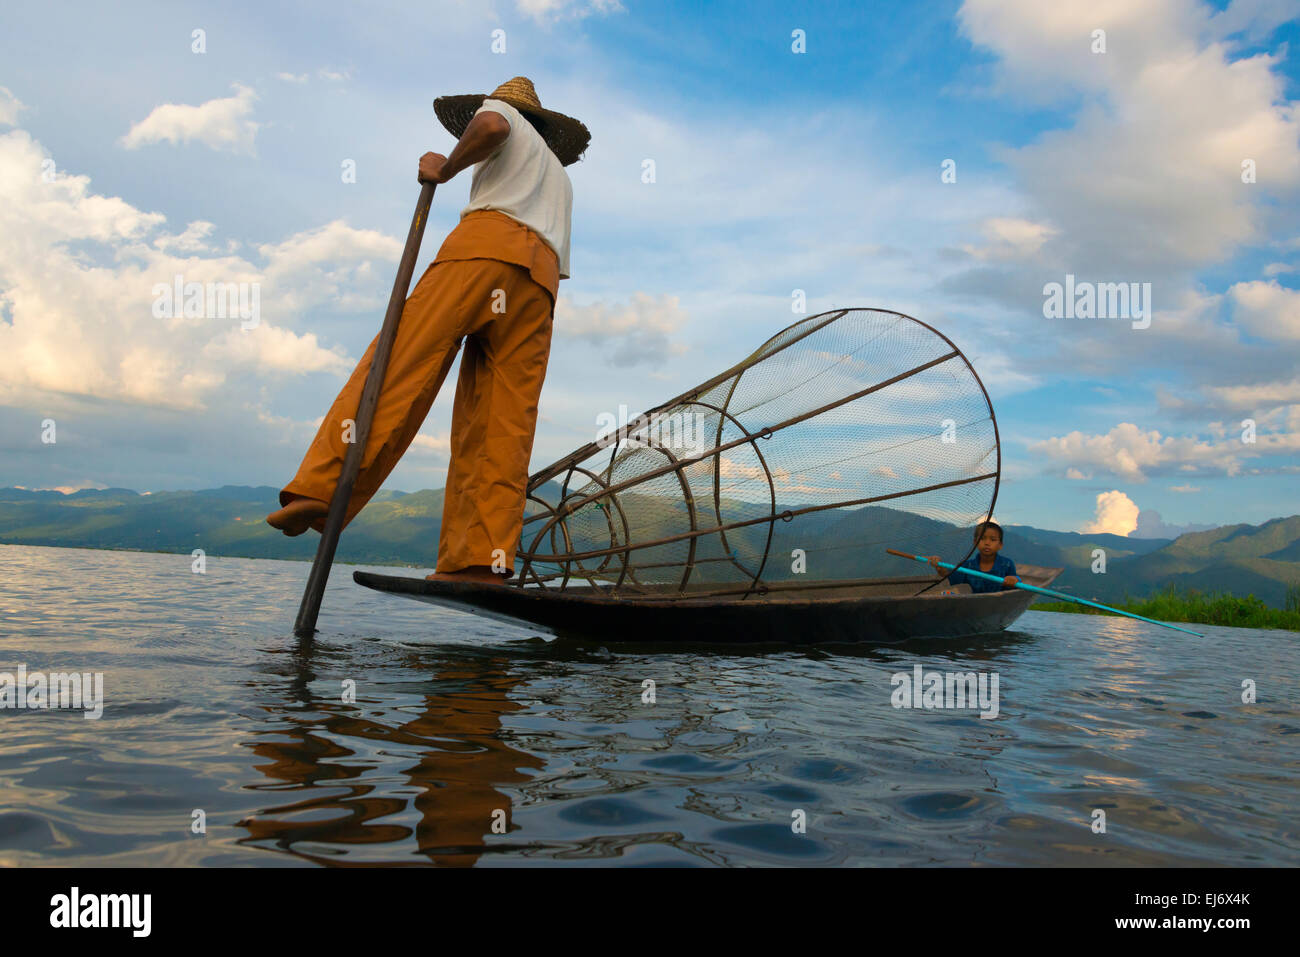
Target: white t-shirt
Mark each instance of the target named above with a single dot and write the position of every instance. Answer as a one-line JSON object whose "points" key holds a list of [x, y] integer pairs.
{"points": [[525, 180]]}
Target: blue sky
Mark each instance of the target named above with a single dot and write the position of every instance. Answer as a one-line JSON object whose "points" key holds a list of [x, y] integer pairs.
{"points": [[775, 171]]}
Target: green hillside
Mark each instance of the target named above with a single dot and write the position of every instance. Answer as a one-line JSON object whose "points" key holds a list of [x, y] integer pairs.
{"points": [[399, 528], [1235, 559]]}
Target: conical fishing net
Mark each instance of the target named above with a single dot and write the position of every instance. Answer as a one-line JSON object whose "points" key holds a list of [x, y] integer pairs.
{"points": [[849, 432]]}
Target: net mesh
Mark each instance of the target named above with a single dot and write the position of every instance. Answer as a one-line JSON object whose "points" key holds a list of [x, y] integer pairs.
{"points": [[848, 432]]}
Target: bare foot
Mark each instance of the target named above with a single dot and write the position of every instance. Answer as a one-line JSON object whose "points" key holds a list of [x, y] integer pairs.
{"points": [[298, 516], [476, 574]]}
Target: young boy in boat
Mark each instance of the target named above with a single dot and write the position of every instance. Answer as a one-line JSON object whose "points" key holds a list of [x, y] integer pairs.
{"points": [[988, 542]]}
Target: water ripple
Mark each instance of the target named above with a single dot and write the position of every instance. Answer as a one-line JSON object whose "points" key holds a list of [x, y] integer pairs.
{"points": [[415, 736]]}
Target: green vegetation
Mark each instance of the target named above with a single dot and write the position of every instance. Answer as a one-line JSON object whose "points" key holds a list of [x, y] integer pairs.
{"points": [[1260, 560], [399, 528], [1193, 606]]}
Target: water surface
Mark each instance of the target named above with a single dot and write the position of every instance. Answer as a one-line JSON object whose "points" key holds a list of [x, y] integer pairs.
{"points": [[474, 743]]}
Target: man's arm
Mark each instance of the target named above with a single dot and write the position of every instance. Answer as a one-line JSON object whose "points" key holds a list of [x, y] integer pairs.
{"points": [[483, 137]]}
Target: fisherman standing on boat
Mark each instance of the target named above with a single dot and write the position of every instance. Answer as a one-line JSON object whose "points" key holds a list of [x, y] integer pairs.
{"points": [[493, 286]]}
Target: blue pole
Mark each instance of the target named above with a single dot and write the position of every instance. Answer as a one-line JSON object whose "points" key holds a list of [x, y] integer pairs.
{"points": [[1046, 591]]}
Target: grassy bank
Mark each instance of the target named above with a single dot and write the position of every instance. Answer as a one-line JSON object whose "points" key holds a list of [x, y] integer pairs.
{"points": [[1200, 608]]}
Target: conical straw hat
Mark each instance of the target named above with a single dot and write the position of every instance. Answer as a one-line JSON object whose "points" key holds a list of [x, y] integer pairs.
{"points": [[566, 136]]}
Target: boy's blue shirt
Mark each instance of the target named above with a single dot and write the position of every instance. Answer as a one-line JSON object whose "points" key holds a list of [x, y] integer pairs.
{"points": [[1002, 567]]}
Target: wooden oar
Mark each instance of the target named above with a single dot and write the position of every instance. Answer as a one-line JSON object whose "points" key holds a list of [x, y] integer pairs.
{"points": [[305, 626], [1046, 591]]}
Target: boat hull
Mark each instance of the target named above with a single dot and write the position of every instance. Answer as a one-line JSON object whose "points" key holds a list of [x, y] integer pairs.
{"points": [[872, 618]]}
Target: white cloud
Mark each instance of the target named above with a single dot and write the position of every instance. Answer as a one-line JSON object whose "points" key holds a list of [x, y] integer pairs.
{"points": [[1151, 524], [1267, 309], [637, 333], [1133, 454], [1129, 452], [224, 124], [334, 263], [1254, 19], [298, 78], [1011, 239], [543, 11], [272, 349], [438, 447], [78, 272], [1256, 396], [1002, 374], [85, 483], [1117, 514], [10, 107], [193, 240], [1149, 175]]}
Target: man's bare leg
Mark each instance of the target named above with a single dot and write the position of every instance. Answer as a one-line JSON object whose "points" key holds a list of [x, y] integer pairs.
{"points": [[296, 517]]}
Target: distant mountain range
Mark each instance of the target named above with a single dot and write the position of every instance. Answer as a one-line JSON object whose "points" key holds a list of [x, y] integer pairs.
{"points": [[1262, 560], [399, 528]]}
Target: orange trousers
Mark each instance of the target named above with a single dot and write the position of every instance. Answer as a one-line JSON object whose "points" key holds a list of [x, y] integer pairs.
{"points": [[503, 314]]}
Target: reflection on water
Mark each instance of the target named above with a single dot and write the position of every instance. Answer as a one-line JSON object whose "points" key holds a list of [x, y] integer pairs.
{"points": [[471, 744], [451, 779]]}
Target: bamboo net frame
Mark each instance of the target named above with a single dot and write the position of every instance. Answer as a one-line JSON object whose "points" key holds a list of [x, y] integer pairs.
{"points": [[846, 431]]}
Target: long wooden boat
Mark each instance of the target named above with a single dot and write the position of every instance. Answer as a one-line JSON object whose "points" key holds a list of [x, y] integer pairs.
{"points": [[882, 611]]}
